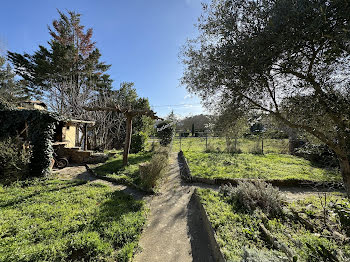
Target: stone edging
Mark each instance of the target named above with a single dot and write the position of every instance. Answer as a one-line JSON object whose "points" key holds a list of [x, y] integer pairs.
{"points": [[215, 248], [185, 171], [186, 175]]}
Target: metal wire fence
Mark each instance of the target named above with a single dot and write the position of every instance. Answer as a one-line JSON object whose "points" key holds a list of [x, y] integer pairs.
{"points": [[221, 144]]}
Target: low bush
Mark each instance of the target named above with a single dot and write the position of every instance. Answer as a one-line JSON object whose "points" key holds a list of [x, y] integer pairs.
{"points": [[318, 154], [14, 160], [138, 142], [250, 196], [151, 172], [256, 149]]}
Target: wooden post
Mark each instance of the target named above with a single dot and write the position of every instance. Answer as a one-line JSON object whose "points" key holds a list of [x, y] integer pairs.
{"points": [[85, 137], [206, 141], [127, 139], [129, 114]]}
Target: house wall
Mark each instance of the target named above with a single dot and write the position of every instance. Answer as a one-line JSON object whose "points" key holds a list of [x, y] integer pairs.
{"points": [[69, 135]]}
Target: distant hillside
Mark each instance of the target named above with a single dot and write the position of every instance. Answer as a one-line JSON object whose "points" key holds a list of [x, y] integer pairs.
{"points": [[199, 121]]}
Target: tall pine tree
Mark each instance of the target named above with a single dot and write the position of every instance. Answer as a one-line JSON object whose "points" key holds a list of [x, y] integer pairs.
{"points": [[12, 90], [68, 73]]}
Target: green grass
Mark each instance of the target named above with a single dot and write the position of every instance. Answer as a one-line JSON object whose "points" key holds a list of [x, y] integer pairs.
{"points": [[236, 230], [268, 166], [53, 220], [114, 169], [198, 144]]}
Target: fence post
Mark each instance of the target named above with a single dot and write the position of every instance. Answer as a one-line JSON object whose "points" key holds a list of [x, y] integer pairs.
{"points": [[206, 141]]}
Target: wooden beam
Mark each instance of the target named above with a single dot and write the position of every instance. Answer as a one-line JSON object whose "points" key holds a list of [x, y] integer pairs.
{"points": [[128, 111], [129, 114]]}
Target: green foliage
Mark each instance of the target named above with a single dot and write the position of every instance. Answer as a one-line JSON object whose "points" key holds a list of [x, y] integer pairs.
{"points": [[41, 126], [249, 196], [11, 89], [51, 220], [165, 132], [255, 255], [236, 229], [138, 142], [318, 154], [68, 72], [268, 166], [260, 46], [198, 121], [14, 160], [343, 211]]}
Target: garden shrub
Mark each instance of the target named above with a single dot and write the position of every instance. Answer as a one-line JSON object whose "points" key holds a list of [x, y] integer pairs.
{"points": [[154, 170], [250, 196], [138, 142], [321, 155], [14, 160], [256, 149], [165, 132]]}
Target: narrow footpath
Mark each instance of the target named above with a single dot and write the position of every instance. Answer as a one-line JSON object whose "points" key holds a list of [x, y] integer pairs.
{"points": [[174, 231]]}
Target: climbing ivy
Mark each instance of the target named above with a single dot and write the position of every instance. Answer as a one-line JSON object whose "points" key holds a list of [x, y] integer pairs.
{"points": [[41, 128]]}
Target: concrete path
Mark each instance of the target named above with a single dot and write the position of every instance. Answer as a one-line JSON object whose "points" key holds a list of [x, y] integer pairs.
{"points": [[174, 231]]}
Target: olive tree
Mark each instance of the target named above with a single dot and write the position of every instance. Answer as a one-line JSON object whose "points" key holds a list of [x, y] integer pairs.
{"points": [[289, 58]]}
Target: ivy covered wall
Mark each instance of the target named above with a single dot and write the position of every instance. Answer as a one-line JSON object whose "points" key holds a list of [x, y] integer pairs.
{"points": [[41, 128]]}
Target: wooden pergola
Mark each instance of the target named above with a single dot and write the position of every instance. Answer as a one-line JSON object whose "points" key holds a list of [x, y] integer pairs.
{"points": [[129, 114]]}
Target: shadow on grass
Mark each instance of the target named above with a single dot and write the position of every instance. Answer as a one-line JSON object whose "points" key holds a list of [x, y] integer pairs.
{"points": [[22, 199], [119, 221], [116, 164], [117, 224]]}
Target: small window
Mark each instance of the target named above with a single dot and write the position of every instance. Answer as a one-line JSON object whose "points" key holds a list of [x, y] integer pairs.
{"points": [[68, 127]]}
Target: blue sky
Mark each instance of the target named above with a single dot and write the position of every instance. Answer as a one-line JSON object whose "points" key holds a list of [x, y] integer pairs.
{"points": [[140, 38]]}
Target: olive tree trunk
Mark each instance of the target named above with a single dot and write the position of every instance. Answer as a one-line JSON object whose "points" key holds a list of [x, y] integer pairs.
{"points": [[345, 171]]}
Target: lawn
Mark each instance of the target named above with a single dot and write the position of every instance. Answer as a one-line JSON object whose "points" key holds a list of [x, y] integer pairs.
{"points": [[238, 231], [114, 169], [268, 166], [218, 144], [54, 220]]}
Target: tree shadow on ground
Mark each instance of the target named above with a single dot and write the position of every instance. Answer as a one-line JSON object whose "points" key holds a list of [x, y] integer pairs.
{"points": [[22, 199], [116, 164]]}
